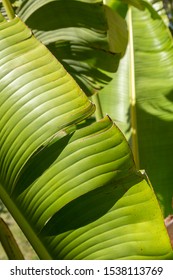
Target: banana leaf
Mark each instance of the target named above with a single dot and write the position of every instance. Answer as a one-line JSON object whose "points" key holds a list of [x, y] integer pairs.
{"points": [[75, 193], [30, 75], [140, 98], [87, 37]]}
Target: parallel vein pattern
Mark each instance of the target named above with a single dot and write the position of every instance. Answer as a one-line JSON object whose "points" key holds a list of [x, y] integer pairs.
{"points": [[92, 204], [37, 98], [75, 192]]}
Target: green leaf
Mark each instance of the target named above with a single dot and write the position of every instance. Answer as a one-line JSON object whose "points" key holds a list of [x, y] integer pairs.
{"points": [[115, 97], [125, 231], [38, 98], [136, 3], [118, 6], [88, 49], [150, 58], [90, 203], [52, 176]]}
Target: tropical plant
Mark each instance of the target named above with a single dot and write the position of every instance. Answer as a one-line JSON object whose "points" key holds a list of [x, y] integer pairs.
{"points": [[140, 99], [72, 187]]}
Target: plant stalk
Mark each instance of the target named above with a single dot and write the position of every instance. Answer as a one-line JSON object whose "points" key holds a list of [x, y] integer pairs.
{"points": [[135, 148], [9, 243], [98, 112], [9, 9], [24, 225]]}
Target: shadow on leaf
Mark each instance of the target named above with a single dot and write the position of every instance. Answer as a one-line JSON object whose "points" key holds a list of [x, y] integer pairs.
{"points": [[87, 208]]}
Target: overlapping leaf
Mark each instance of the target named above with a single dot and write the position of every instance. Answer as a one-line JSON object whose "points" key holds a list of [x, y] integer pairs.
{"points": [[37, 98], [153, 84], [84, 35], [154, 88], [90, 203]]}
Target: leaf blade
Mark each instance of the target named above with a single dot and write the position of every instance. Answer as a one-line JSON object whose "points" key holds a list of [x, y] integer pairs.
{"points": [[153, 54], [36, 104], [85, 48]]}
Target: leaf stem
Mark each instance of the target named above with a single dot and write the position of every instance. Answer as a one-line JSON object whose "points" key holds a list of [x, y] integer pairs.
{"points": [[98, 112], [24, 225], [9, 243], [135, 148], [9, 9]]}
